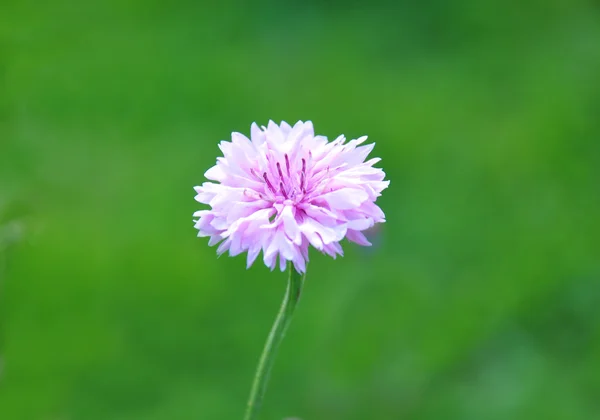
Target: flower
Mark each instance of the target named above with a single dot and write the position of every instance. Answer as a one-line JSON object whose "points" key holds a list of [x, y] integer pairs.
{"points": [[287, 188]]}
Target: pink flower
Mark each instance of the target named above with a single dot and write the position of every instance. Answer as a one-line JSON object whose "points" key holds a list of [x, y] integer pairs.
{"points": [[287, 188]]}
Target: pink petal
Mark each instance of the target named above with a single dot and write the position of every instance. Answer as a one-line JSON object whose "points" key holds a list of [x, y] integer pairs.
{"points": [[345, 198], [357, 237]]}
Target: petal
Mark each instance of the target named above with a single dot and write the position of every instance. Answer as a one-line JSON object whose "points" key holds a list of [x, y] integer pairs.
{"points": [[290, 226], [214, 240], [205, 193], [360, 154], [257, 135], [333, 250], [308, 128], [345, 198], [215, 173], [274, 134], [319, 235], [252, 254], [357, 237], [224, 246], [285, 127], [282, 263], [242, 209], [360, 224], [299, 264]]}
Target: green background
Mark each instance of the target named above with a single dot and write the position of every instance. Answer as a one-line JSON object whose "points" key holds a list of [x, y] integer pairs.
{"points": [[481, 298]]}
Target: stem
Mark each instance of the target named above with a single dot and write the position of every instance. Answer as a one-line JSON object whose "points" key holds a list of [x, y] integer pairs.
{"points": [[261, 377]]}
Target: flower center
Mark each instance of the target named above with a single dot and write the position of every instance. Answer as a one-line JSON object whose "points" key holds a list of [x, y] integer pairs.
{"points": [[288, 186]]}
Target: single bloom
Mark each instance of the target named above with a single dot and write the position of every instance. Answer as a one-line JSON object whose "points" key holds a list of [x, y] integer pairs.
{"points": [[286, 188]]}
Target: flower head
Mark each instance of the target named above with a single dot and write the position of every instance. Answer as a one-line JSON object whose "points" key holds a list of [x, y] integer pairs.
{"points": [[286, 188]]}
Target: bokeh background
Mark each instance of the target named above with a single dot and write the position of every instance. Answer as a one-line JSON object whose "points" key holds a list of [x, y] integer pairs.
{"points": [[480, 300]]}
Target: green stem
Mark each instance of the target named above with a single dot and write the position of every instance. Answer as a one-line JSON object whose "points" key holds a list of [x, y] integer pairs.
{"points": [[290, 300]]}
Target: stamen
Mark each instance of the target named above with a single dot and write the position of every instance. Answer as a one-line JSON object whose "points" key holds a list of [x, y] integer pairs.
{"points": [[279, 170], [253, 172], [287, 164], [282, 190], [302, 175], [269, 183]]}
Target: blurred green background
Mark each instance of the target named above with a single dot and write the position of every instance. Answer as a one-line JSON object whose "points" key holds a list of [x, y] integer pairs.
{"points": [[481, 299]]}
